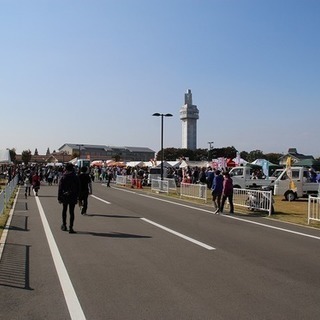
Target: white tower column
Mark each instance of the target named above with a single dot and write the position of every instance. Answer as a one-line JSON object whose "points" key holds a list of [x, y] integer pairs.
{"points": [[189, 114]]}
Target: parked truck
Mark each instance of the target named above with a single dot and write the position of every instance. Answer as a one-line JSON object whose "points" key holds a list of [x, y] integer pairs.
{"points": [[83, 163], [295, 183], [242, 178]]}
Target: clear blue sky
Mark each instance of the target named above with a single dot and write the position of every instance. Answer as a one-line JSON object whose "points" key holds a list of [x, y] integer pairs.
{"points": [[95, 71]]}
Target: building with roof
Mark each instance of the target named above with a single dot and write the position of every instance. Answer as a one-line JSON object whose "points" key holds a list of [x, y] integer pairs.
{"points": [[294, 155], [103, 152]]}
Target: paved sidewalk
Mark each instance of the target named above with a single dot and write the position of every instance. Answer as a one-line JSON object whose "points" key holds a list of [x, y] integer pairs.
{"points": [[28, 280]]}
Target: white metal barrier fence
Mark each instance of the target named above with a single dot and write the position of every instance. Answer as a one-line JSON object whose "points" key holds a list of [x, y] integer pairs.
{"points": [[313, 209], [159, 185], [255, 200], [171, 184], [6, 194], [2, 202], [121, 180], [196, 191]]}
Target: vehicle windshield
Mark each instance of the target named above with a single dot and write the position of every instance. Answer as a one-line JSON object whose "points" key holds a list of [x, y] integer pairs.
{"points": [[276, 174]]}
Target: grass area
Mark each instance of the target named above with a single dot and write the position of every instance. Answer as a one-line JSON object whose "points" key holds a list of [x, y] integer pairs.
{"points": [[292, 211], [5, 215]]}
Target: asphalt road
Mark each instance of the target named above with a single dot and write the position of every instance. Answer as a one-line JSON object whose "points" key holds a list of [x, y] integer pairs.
{"points": [[138, 255]]}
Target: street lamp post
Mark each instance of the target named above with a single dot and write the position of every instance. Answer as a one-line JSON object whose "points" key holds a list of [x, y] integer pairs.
{"points": [[162, 150], [79, 145], [210, 143]]}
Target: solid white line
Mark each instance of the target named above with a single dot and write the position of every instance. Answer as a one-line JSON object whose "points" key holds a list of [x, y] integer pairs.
{"points": [[232, 217], [276, 228], [201, 244], [105, 201], [74, 307]]}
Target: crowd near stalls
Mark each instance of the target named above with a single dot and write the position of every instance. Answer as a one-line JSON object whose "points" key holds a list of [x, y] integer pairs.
{"points": [[180, 170]]}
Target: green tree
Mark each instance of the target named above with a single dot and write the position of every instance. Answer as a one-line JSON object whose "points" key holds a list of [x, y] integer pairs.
{"points": [[273, 157], [13, 154], [36, 153], [26, 156], [170, 154], [255, 154], [244, 155], [200, 155], [230, 152]]}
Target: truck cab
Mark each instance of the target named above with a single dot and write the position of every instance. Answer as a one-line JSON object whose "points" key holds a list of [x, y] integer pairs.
{"points": [[242, 178], [83, 163], [295, 183]]}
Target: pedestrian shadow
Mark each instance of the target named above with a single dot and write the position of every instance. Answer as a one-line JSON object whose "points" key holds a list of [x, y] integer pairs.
{"points": [[15, 266], [111, 216], [114, 235]]}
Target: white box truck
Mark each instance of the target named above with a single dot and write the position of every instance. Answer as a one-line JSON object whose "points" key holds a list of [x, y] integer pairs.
{"points": [[242, 178], [295, 183]]}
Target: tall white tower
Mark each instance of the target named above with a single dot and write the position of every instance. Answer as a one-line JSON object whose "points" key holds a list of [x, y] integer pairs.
{"points": [[189, 114]]}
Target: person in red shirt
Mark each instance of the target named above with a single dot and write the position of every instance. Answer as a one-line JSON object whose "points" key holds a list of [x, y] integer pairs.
{"points": [[227, 192], [36, 182]]}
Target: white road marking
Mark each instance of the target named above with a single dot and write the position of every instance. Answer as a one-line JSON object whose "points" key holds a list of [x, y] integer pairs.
{"points": [[74, 307], [105, 201], [201, 244], [231, 217]]}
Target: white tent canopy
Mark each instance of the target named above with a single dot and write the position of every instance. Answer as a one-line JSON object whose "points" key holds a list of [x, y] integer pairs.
{"points": [[239, 161], [135, 164]]}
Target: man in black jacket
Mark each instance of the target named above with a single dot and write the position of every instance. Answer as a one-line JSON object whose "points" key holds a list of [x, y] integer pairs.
{"points": [[85, 189], [68, 194]]}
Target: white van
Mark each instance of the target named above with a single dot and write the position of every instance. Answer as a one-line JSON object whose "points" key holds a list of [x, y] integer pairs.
{"points": [[242, 178], [301, 186], [83, 163]]}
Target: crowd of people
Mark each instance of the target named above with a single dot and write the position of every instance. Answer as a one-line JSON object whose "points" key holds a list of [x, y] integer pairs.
{"points": [[75, 184]]}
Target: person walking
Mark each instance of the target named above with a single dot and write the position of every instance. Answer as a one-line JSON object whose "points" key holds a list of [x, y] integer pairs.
{"points": [[85, 189], [36, 182], [27, 184], [227, 192], [68, 193], [110, 177], [217, 187]]}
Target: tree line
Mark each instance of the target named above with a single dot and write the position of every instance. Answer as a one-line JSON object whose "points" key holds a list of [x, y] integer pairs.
{"points": [[171, 154]]}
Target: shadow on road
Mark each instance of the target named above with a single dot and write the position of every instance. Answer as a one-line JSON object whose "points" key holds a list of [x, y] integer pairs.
{"points": [[110, 216], [114, 235], [14, 266]]}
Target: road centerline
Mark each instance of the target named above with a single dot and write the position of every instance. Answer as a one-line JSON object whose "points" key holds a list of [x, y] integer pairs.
{"points": [[105, 201], [199, 243]]}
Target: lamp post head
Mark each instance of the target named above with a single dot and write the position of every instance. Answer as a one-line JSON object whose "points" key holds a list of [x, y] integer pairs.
{"points": [[157, 114]]}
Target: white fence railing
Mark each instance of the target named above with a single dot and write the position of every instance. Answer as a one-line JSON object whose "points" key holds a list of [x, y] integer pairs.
{"points": [[196, 191], [313, 209], [7, 192], [255, 200], [121, 180], [159, 185], [171, 184], [2, 202]]}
